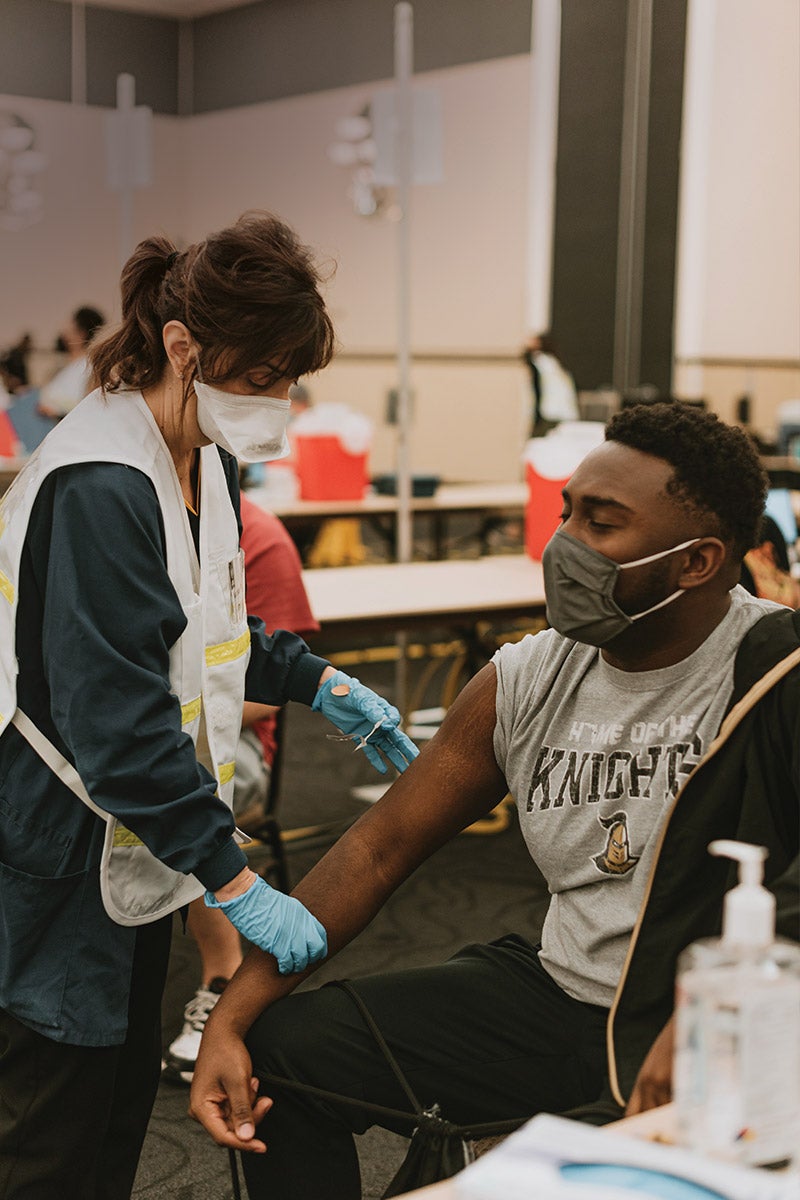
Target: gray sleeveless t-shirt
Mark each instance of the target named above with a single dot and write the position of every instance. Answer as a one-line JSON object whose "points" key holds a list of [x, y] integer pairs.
{"points": [[593, 755]]}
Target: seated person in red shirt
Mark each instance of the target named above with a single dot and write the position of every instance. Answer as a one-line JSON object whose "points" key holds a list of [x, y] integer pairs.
{"points": [[275, 592]]}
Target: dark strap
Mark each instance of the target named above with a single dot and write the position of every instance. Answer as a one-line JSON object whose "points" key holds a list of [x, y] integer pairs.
{"points": [[422, 1118], [346, 986], [237, 1191], [419, 1117], [308, 1089]]}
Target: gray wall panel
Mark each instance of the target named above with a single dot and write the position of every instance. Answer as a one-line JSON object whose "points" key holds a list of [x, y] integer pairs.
{"points": [[139, 44], [587, 186], [450, 32], [261, 51], [281, 48], [269, 50], [663, 171], [35, 37]]}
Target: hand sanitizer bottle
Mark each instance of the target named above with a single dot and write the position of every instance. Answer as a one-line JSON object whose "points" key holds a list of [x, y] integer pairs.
{"points": [[737, 1051]]}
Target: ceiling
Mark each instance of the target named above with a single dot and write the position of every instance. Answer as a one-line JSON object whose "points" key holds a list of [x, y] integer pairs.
{"points": [[169, 8]]}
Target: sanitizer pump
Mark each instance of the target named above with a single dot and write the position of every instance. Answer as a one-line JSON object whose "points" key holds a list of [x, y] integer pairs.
{"points": [[737, 1056]]}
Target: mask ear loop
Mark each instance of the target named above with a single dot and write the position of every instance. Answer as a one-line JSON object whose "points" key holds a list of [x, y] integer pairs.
{"points": [[651, 558], [640, 562], [661, 604]]}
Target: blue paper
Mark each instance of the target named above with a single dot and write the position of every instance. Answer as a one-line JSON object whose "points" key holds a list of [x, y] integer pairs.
{"points": [[637, 1179]]}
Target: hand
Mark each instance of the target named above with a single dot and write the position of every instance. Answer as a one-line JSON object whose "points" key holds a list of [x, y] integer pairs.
{"points": [[654, 1082], [223, 1095], [276, 923], [357, 711]]}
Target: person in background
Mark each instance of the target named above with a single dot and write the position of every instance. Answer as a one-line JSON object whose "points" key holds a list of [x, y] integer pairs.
{"points": [[5, 394], [554, 396], [71, 383], [14, 366], [766, 570], [124, 639], [275, 593], [659, 711]]}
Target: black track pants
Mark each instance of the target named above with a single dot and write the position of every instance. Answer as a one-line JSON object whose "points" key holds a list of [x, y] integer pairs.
{"points": [[73, 1118], [487, 1035]]}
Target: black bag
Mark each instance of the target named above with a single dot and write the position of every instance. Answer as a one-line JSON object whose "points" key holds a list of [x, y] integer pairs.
{"points": [[438, 1149]]}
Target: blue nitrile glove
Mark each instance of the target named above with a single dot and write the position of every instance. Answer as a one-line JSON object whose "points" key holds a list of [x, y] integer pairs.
{"points": [[276, 923], [367, 719]]}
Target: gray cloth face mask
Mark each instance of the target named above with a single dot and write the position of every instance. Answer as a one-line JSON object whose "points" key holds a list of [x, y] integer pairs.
{"points": [[579, 585]]}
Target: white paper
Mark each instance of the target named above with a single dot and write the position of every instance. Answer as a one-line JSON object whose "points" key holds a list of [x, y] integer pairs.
{"points": [[526, 1167]]}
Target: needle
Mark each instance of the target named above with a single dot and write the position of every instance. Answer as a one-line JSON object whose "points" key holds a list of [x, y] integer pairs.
{"points": [[347, 737]]}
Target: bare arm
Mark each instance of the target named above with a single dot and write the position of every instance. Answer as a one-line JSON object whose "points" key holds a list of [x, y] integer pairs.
{"points": [[454, 781], [653, 1084], [252, 713]]}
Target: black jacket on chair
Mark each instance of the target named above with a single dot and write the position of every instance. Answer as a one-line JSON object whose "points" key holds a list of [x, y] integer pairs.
{"points": [[746, 787]]}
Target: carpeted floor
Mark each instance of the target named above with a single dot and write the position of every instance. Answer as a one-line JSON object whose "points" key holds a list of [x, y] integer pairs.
{"points": [[476, 888]]}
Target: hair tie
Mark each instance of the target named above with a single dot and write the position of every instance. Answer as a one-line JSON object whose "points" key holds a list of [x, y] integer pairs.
{"points": [[170, 260]]}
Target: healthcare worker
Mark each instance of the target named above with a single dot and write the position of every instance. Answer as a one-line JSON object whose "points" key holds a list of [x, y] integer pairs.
{"points": [[124, 638], [554, 395]]}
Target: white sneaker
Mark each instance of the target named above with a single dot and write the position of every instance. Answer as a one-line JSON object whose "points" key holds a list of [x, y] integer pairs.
{"points": [[182, 1054]]}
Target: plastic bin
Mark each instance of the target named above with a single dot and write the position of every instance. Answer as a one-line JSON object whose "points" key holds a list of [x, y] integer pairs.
{"points": [[9, 442], [542, 510], [326, 471], [549, 463]]}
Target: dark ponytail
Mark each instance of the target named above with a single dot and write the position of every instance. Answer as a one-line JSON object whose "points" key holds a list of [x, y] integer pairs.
{"points": [[249, 295], [133, 355]]}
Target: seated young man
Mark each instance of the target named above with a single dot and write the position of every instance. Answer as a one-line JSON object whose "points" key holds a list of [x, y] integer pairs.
{"points": [[660, 711]]}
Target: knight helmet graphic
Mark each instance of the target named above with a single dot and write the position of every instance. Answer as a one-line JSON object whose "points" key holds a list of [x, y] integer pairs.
{"points": [[616, 859]]}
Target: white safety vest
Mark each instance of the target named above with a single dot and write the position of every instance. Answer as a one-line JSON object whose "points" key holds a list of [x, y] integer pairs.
{"points": [[207, 664]]}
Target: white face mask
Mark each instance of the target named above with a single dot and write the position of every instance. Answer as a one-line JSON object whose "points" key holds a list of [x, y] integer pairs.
{"points": [[252, 428]]}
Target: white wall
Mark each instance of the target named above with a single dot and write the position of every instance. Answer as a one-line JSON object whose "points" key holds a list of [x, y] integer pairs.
{"points": [[468, 245], [468, 253], [467, 233], [738, 286], [72, 256]]}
